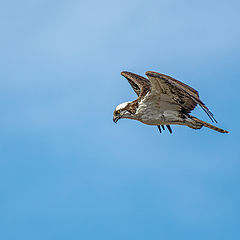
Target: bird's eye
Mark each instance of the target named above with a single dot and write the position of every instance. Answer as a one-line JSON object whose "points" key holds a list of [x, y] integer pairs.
{"points": [[118, 112]]}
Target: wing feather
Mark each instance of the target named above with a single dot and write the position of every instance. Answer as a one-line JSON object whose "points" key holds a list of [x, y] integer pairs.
{"points": [[140, 85], [183, 95]]}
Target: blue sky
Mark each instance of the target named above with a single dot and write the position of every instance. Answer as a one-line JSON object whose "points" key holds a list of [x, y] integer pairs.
{"points": [[66, 170]]}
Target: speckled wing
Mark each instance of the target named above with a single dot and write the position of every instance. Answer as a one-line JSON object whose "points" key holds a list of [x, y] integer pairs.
{"points": [[172, 91], [140, 85]]}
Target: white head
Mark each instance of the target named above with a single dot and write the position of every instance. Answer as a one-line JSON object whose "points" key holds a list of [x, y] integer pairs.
{"points": [[121, 106], [121, 111]]}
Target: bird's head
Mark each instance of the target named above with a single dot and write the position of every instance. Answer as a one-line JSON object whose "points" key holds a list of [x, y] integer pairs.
{"points": [[122, 111]]}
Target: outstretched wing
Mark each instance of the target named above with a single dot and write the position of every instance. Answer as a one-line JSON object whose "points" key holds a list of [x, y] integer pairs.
{"points": [[140, 85], [174, 94]]}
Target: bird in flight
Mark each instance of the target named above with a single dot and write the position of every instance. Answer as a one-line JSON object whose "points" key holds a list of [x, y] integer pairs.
{"points": [[162, 101]]}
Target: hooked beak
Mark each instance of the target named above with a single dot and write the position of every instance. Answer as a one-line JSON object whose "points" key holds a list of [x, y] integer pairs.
{"points": [[115, 118]]}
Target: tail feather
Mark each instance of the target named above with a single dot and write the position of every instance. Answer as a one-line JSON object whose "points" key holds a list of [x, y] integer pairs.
{"points": [[205, 124]]}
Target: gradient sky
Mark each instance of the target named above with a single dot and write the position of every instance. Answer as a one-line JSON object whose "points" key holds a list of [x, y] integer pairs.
{"points": [[66, 170]]}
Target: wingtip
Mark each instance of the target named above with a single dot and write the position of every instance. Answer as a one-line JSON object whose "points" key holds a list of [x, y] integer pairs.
{"points": [[125, 73], [149, 73], [152, 74]]}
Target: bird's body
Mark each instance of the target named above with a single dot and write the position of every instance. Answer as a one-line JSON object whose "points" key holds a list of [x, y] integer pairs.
{"points": [[162, 100]]}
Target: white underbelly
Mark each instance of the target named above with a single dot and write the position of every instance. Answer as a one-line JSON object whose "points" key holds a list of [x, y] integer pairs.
{"points": [[165, 118]]}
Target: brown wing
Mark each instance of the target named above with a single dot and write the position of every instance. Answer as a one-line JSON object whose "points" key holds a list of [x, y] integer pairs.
{"points": [[185, 96], [140, 85]]}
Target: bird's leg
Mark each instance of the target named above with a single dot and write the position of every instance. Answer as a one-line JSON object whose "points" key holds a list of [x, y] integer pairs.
{"points": [[169, 128]]}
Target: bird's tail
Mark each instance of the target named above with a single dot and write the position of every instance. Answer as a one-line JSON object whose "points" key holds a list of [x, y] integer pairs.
{"points": [[205, 124]]}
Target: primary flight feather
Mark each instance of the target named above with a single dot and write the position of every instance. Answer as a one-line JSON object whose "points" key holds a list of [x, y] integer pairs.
{"points": [[162, 100]]}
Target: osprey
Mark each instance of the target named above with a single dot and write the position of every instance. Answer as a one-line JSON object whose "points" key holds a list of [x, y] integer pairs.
{"points": [[162, 100]]}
